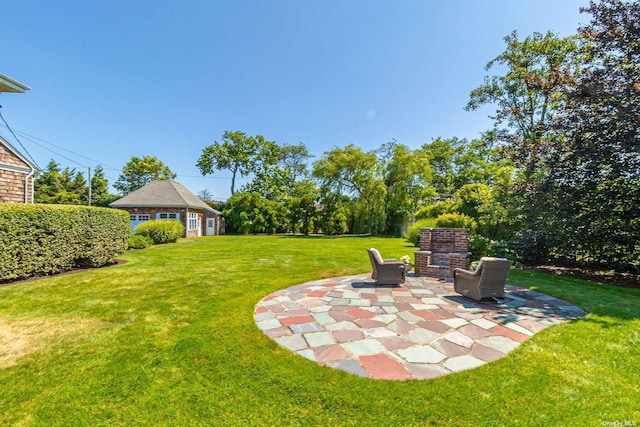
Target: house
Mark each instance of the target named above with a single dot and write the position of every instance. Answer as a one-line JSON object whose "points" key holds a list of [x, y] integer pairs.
{"points": [[17, 175], [169, 200], [16, 172]]}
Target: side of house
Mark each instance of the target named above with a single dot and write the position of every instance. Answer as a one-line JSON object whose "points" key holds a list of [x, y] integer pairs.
{"points": [[17, 175]]}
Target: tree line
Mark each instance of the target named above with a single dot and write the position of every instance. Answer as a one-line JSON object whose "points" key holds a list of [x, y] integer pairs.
{"points": [[556, 178]]}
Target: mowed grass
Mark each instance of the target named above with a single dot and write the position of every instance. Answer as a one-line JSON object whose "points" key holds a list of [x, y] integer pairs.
{"points": [[169, 339]]}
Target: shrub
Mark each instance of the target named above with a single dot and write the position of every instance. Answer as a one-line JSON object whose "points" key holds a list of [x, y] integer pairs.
{"points": [[137, 241], [413, 235], [454, 220], [436, 209], [48, 239], [479, 246], [161, 231]]}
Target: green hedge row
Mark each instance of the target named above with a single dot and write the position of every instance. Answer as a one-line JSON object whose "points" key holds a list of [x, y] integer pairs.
{"points": [[47, 239]]}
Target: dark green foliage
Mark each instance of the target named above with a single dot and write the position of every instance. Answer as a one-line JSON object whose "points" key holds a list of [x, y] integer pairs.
{"points": [[593, 188], [48, 239], [250, 213], [58, 186], [137, 241], [69, 187], [532, 247], [161, 231]]}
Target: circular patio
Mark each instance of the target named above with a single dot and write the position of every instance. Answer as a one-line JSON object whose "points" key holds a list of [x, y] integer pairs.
{"points": [[419, 330]]}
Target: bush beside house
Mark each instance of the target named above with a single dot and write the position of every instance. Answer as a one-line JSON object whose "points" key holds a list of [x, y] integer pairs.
{"points": [[48, 239], [161, 231]]}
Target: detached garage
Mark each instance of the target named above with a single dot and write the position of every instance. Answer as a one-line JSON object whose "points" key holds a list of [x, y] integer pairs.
{"points": [[168, 200]]}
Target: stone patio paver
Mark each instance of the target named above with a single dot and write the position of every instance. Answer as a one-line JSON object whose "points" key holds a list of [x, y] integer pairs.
{"points": [[420, 330]]}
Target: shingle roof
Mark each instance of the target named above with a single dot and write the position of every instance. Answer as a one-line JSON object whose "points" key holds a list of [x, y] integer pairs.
{"points": [[19, 155], [162, 194]]}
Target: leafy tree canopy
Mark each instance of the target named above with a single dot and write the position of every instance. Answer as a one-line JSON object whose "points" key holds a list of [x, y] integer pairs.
{"points": [[138, 172]]}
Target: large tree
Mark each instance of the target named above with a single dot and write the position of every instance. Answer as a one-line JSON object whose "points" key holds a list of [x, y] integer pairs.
{"points": [[61, 186], [408, 179], [139, 171], [268, 178], [100, 188], [235, 153], [594, 180], [529, 94], [351, 172]]}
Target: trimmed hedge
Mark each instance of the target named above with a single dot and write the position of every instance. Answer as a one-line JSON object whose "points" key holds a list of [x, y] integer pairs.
{"points": [[139, 242], [47, 239], [456, 220], [161, 230]]}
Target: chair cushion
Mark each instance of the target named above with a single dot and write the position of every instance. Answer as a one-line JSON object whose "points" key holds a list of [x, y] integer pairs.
{"points": [[376, 255]]}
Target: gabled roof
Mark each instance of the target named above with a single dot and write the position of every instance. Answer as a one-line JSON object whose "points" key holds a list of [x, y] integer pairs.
{"points": [[30, 166], [7, 84], [162, 194]]}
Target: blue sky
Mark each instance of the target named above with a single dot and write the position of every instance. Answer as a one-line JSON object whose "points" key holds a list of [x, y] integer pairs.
{"points": [[122, 78]]}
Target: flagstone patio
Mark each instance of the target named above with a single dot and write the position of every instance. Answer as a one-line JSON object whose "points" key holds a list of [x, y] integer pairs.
{"points": [[419, 330]]}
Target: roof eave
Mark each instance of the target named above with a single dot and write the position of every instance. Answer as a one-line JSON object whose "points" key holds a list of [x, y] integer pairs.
{"points": [[155, 205], [7, 84]]}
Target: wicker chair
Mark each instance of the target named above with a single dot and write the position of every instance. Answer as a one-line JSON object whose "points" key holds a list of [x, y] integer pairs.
{"points": [[388, 271], [486, 282]]}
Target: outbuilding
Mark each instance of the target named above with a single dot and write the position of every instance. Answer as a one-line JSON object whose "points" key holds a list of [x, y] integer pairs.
{"points": [[168, 200]]}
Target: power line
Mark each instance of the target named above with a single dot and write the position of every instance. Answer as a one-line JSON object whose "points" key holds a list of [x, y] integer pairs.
{"points": [[32, 138], [17, 139]]}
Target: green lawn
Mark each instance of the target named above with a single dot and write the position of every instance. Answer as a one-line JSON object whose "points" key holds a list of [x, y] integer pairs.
{"points": [[169, 339]]}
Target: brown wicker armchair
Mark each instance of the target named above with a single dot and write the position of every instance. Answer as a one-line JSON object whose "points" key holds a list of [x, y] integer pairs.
{"points": [[486, 282], [388, 271]]}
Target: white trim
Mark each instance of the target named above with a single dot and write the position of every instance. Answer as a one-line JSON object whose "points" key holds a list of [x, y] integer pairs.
{"points": [[26, 186], [171, 216], [12, 85], [18, 155]]}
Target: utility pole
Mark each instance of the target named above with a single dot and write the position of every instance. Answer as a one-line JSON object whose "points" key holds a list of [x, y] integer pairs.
{"points": [[89, 201]]}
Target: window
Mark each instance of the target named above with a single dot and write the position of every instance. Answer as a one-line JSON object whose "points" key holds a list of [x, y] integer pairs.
{"points": [[193, 221], [168, 215], [141, 217]]}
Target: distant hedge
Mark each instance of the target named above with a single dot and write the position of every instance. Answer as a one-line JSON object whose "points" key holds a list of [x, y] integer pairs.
{"points": [[47, 239]]}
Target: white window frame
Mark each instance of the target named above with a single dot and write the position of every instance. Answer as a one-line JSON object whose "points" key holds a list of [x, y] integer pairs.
{"points": [[192, 223]]}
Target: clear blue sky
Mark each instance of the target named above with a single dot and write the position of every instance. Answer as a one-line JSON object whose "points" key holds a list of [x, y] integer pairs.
{"points": [[122, 78]]}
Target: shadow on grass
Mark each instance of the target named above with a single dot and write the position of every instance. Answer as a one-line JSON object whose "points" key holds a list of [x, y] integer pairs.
{"points": [[595, 298]]}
